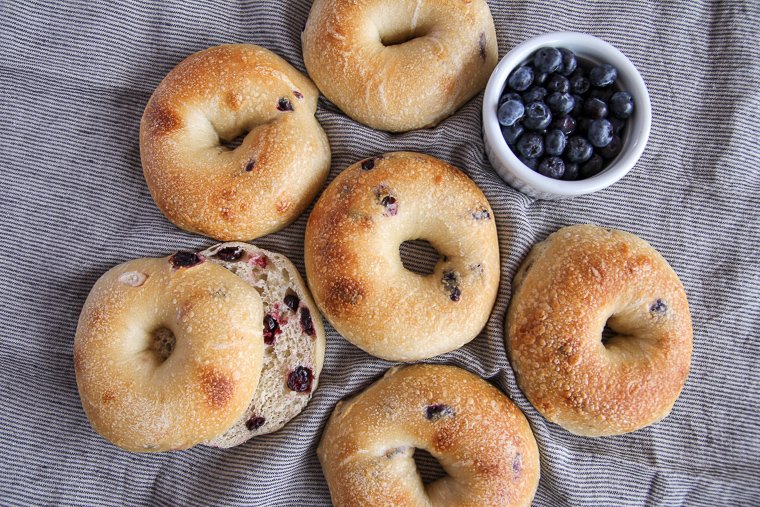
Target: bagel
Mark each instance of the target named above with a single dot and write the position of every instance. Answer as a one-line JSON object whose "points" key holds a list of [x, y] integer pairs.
{"points": [[354, 267], [294, 340], [481, 439], [167, 352], [211, 98], [399, 65], [567, 289]]}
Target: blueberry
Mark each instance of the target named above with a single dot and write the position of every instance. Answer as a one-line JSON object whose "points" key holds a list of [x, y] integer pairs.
{"points": [[595, 108], [578, 149], [558, 83], [530, 162], [271, 329], [579, 84], [183, 259], [534, 94], [530, 145], [600, 133], [617, 125], [621, 104], [284, 104], [292, 301], [569, 63], [571, 171], [255, 423], [583, 124], [552, 167], [306, 323], [579, 103], [521, 78], [592, 166], [602, 94], [611, 150], [555, 142], [438, 411], [659, 306], [512, 134], [299, 380], [537, 116], [509, 96], [540, 78], [510, 112], [230, 253], [547, 60], [565, 123], [560, 104], [603, 75]]}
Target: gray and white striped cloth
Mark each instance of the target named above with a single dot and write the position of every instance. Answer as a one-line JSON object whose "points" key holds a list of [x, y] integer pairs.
{"points": [[74, 78]]}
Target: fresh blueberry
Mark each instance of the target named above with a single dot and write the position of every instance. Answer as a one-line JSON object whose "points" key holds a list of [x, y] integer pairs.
{"points": [[547, 60], [530, 162], [558, 83], [537, 116], [534, 94], [565, 123], [530, 145], [621, 104], [579, 103], [579, 84], [600, 133], [611, 150], [595, 108], [603, 75], [540, 78], [578, 149], [569, 63], [555, 142], [571, 171], [603, 94], [509, 96], [552, 167], [617, 125], [512, 133], [560, 104], [521, 78], [510, 112], [592, 166]]}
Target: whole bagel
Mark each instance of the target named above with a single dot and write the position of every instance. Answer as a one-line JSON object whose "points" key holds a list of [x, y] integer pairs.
{"points": [[399, 65], [354, 268], [210, 99], [168, 352], [567, 289], [480, 438]]}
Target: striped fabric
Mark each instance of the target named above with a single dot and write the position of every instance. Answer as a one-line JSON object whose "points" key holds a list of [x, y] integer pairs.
{"points": [[74, 78]]}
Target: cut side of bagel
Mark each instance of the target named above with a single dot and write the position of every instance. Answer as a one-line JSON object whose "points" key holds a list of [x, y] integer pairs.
{"points": [[294, 340]]}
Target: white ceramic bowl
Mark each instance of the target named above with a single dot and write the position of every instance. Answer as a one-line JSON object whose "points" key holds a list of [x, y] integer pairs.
{"points": [[591, 49]]}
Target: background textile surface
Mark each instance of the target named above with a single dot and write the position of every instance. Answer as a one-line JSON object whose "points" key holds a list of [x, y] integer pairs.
{"points": [[74, 79]]}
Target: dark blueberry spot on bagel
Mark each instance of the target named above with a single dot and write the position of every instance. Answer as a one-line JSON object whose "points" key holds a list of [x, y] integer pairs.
{"points": [[271, 329], [284, 104], [250, 165], [185, 259], [255, 423], [517, 463], [450, 282], [482, 45], [481, 214], [299, 380], [230, 253], [438, 411], [388, 200], [292, 301], [298, 94], [659, 306], [368, 164], [445, 258], [456, 294], [306, 323]]}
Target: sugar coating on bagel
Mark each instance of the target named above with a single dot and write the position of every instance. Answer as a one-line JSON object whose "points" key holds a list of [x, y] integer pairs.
{"points": [[354, 267], [233, 193], [567, 289], [481, 439], [168, 352], [293, 336], [399, 65]]}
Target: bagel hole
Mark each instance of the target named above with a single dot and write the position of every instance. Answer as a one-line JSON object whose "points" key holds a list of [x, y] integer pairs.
{"points": [[429, 468], [163, 343], [398, 37], [419, 256]]}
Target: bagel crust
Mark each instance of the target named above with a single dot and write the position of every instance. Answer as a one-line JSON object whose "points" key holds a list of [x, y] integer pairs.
{"points": [[211, 98], [146, 395], [354, 268], [480, 438], [399, 65], [567, 289]]}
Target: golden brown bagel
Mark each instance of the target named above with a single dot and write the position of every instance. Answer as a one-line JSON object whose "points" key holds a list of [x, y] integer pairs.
{"points": [[569, 286], [480, 438], [354, 268], [210, 98], [399, 65], [168, 352]]}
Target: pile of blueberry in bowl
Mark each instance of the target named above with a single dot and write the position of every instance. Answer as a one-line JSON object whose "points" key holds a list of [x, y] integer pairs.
{"points": [[565, 114]]}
